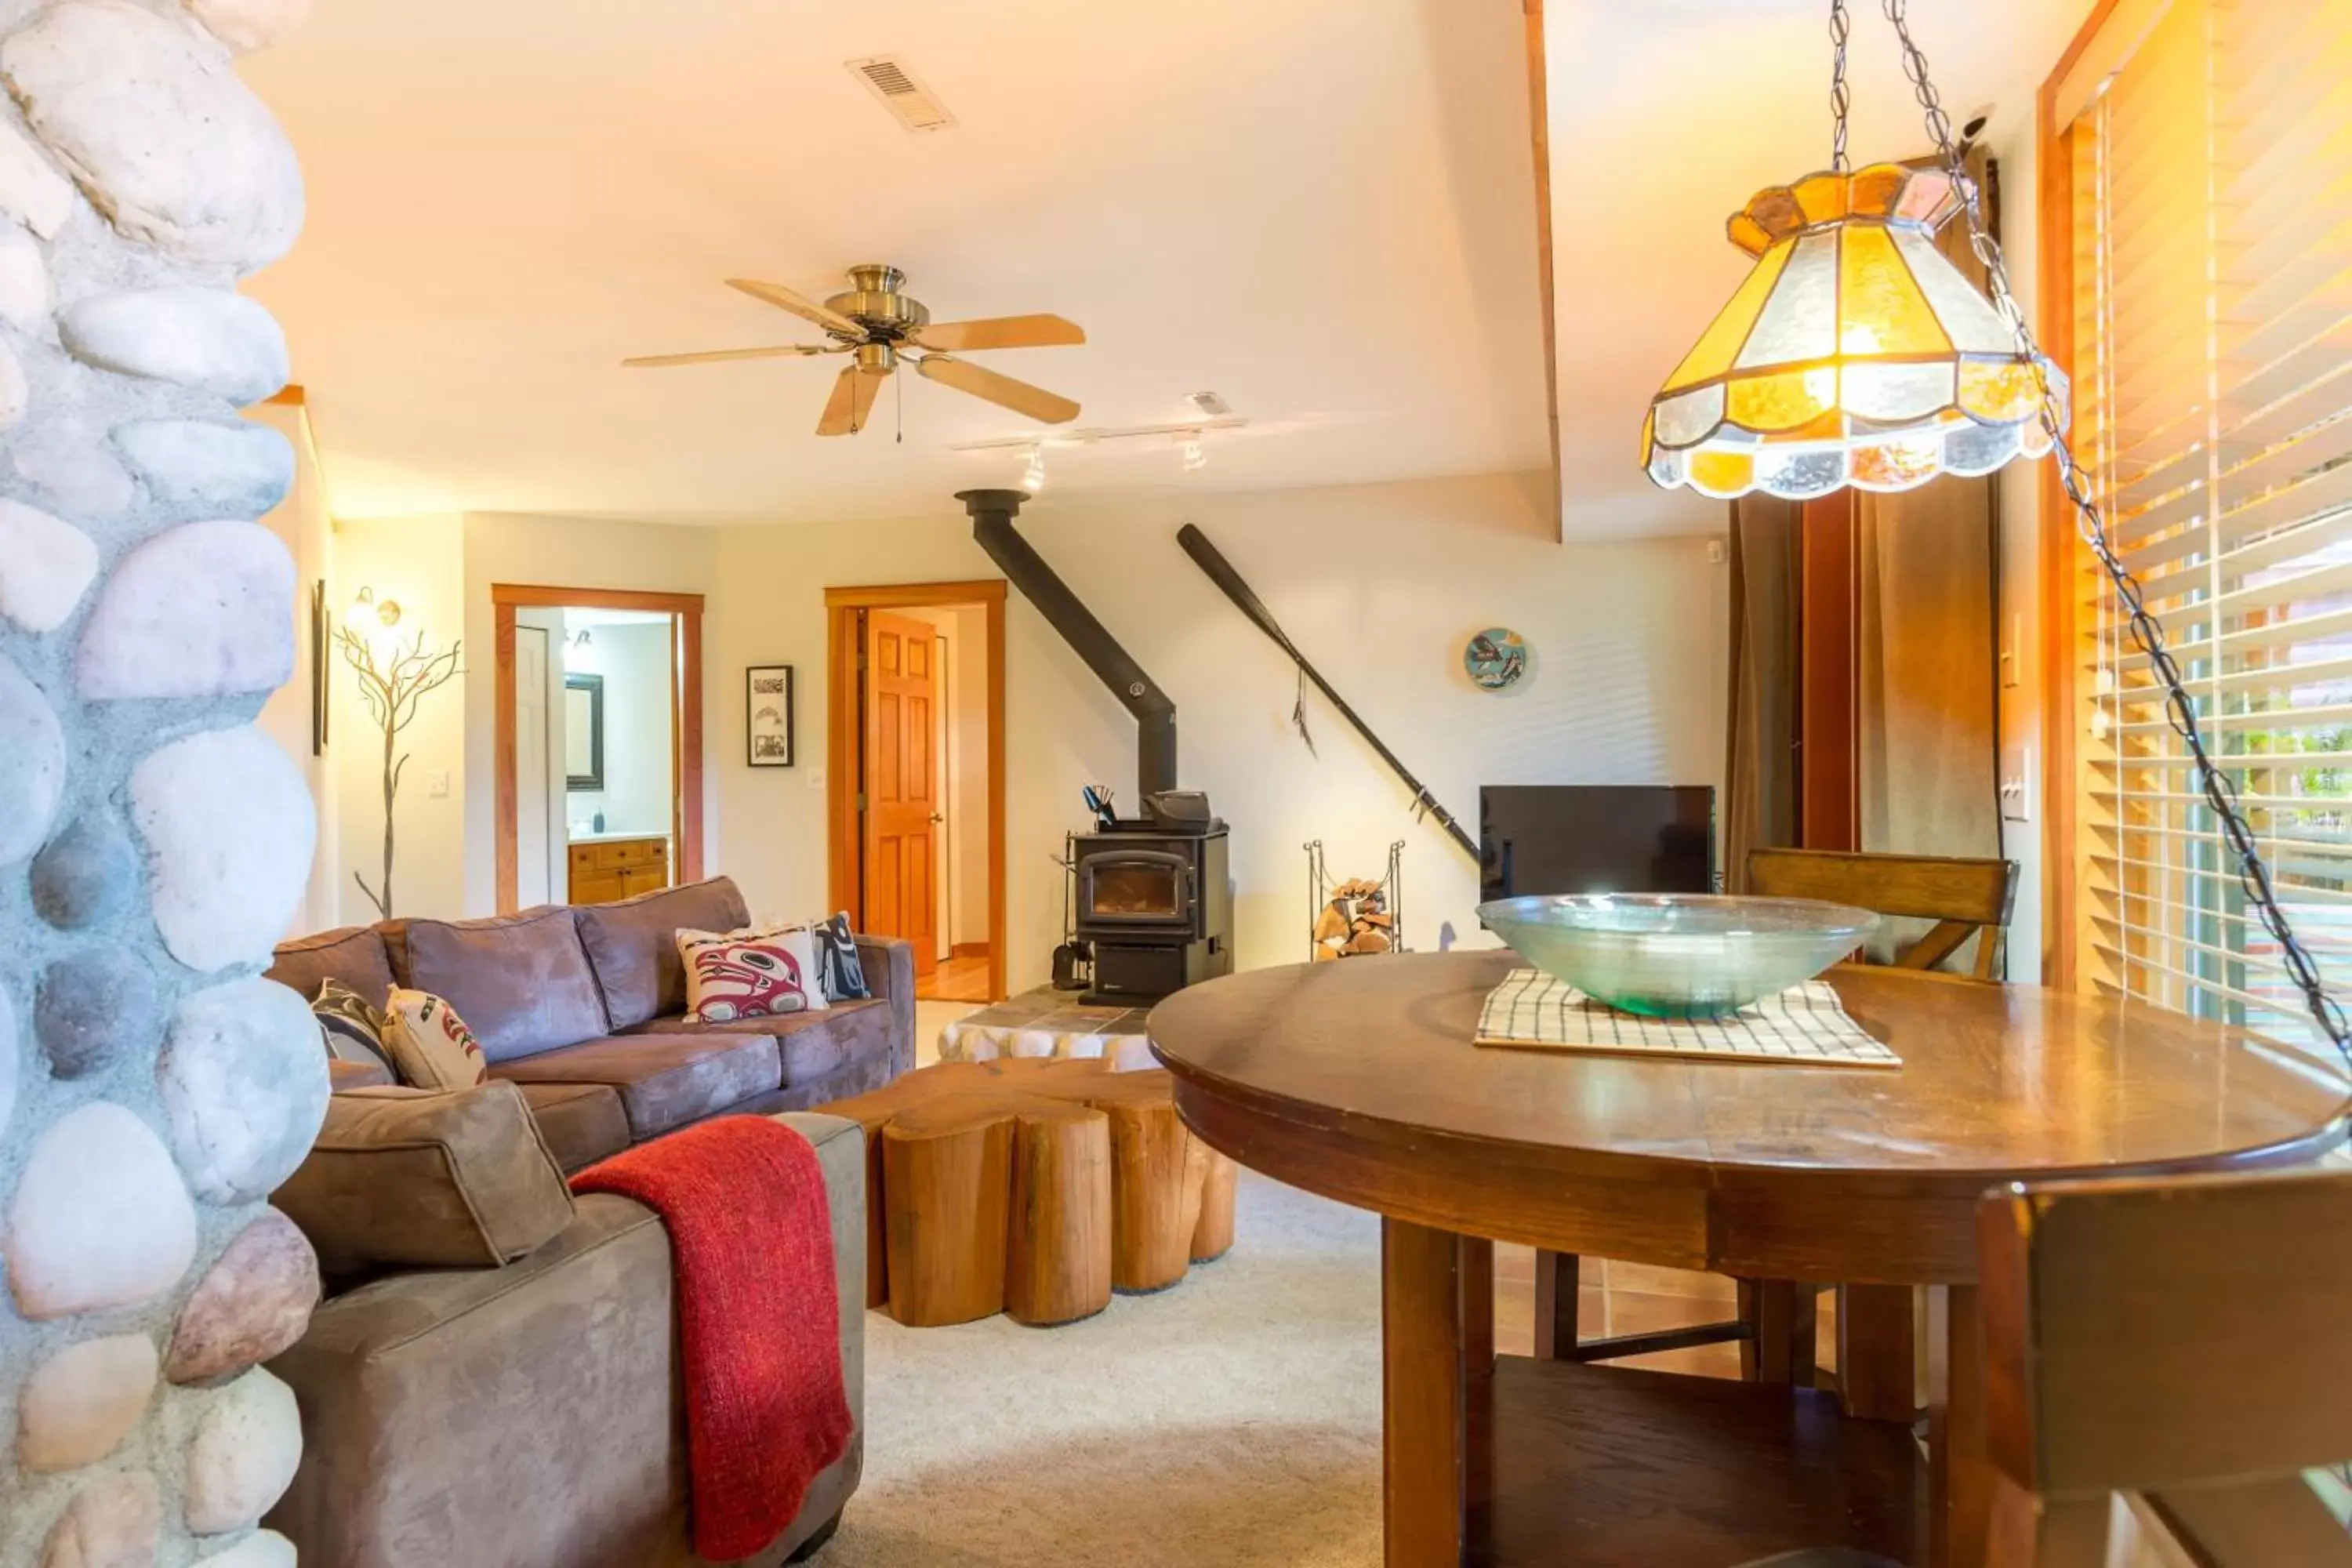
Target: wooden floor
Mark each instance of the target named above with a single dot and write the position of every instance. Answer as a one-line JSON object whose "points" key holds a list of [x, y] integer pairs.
{"points": [[1633, 1298], [958, 979]]}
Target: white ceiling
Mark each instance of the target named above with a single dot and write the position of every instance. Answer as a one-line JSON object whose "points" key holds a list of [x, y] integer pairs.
{"points": [[1321, 209]]}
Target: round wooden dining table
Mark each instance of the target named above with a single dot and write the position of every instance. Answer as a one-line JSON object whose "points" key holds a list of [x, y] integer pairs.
{"points": [[1359, 1080]]}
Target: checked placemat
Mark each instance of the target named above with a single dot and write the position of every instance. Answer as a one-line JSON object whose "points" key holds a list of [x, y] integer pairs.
{"points": [[1803, 1026]]}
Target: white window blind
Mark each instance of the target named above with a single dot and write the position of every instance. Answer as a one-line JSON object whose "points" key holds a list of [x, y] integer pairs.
{"points": [[2212, 269]]}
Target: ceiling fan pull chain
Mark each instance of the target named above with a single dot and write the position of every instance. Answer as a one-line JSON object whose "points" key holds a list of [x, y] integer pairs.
{"points": [[898, 405], [2146, 632]]}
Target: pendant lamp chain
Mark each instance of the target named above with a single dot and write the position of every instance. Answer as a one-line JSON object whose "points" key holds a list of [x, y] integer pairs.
{"points": [[2146, 633], [1840, 102]]}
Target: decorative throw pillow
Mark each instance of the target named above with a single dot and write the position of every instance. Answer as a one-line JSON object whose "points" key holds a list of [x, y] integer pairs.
{"points": [[430, 1045], [351, 1028], [750, 974], [837, 959]]}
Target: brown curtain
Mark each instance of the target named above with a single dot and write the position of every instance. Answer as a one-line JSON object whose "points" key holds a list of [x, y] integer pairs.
{"points": [[1760, 776], [1930, 670]]}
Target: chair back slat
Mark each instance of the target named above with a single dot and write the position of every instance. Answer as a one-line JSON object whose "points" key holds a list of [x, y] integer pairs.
{"points": [[1965, 896], [2167, 1333]]}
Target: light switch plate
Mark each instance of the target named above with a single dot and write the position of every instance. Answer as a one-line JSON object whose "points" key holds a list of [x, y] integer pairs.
{"points": [[437, 784], [2017, 785], [815, 778]]}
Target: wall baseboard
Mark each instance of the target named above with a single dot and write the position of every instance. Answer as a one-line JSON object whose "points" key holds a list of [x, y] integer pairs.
{"points": [[971, 950]]}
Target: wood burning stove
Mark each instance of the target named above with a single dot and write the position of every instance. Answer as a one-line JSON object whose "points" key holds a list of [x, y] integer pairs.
{"points": [[1157, 906], [1155, 901]]}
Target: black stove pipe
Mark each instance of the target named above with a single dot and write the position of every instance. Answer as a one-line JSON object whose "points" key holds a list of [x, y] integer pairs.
{"points": [[1155, 716]]}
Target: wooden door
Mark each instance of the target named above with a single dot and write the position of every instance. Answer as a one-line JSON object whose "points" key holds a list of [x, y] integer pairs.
{"points": [[901, 774]]}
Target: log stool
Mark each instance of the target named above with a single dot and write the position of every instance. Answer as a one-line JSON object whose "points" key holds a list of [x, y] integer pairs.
{"points": [[1032, 1187]]}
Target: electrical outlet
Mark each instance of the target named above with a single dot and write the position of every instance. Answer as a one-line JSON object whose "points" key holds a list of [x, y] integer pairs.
{"points": [[2017, 785], [437, 784], [1714, 552]]}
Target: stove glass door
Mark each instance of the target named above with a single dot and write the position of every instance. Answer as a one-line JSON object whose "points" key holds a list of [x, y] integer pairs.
{"points": [[1136, 886]]}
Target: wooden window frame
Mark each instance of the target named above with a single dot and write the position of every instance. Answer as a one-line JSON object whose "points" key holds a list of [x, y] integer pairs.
{"points": [[686, 717], [2053, 162]]}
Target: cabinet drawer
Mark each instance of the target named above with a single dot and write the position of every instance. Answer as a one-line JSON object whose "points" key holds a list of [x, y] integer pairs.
{"points": [[620, 854]]}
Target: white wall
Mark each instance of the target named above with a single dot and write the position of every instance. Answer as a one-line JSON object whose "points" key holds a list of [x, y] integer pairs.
{"points": [[2022, 716], [420, 562], [635, 661], [1380, 584], [302, 520]]}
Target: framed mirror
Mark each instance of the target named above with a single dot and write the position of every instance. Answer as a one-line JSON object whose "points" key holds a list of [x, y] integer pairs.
{"points": [[583, 732]]}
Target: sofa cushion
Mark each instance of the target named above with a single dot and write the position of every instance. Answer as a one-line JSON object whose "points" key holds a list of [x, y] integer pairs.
{"points": [[354, 955], [664, 1080], [404, 1176], [522, 982], [581, 1123], [632, 945]]}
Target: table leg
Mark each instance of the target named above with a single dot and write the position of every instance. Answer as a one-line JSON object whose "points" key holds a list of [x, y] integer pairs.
{"points": [[1961, 1474], [1555, 1286], [1875, 1353], [1437, 1312]]}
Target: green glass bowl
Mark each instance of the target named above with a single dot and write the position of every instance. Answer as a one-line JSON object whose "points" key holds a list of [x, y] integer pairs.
{"points": [[1678, 955]]}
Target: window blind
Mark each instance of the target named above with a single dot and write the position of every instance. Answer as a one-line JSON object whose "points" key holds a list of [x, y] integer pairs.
{"points": [[2211, 230]]}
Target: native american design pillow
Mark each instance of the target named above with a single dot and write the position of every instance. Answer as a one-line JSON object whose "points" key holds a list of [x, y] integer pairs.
{"points": [[750, 974], [836, 956], [352, 1029], [430, 1045]]}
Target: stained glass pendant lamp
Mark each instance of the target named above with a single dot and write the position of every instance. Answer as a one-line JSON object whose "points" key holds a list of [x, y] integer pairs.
{"points": [[1856, 355]]}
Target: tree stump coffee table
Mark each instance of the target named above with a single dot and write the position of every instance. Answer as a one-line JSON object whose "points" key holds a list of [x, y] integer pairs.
{"points": [[1033, 1188]]}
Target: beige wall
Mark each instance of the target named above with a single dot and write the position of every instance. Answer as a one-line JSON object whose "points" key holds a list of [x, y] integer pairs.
{"points": [[1381, 584], [302, 520], [419, 561]]}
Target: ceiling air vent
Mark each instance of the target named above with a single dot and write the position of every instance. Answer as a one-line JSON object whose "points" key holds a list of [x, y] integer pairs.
{"points": [[915, 105]]}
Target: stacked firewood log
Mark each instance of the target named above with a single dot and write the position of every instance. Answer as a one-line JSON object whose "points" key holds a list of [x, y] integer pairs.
{"points": [[1355, 921]]}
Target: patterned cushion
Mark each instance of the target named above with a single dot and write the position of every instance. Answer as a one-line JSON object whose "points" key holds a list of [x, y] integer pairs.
{"points": [[431, 1045], [351, 1027], [837, 959], [750, 974]]}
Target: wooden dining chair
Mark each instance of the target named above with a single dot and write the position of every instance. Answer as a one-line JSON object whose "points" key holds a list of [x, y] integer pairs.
{"points": [[2180, 1343], [1774, 1327], [1964, 896]]}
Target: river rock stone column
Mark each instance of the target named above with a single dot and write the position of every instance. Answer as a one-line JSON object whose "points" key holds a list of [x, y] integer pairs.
{"points": [[153, 1090]]}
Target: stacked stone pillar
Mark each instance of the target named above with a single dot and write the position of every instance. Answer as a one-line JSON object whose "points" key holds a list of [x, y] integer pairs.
{"points": [[152, 843]]}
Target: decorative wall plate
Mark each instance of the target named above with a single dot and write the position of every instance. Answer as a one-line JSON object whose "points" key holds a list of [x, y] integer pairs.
{"points": [[1496, 658]]}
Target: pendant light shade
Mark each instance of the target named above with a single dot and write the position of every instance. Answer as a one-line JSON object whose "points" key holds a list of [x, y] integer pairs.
{"points": [[1855, 353]]}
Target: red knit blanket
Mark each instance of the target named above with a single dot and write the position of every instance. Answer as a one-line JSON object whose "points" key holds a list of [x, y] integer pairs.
{"points": [[743, 1199]]}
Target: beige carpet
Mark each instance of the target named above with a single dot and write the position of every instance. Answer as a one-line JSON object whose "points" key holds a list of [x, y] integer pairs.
{"points": [[1231, 1422]]}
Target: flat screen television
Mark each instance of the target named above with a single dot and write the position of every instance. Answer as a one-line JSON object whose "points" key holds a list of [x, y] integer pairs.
{"points": [[1595, 838]]}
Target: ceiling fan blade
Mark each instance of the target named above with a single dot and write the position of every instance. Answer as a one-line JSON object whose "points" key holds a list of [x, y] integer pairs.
{"points": [[1002, 390], [807, 310], [713, 356], [852, 401], [1001, 333]]}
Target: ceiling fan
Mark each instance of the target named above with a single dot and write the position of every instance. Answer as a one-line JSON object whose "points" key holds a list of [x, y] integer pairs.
{"points": [[881, 326]]}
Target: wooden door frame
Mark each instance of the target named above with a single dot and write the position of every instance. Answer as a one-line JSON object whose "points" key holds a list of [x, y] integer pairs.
{"points": [[686, 712], [843, 739]]}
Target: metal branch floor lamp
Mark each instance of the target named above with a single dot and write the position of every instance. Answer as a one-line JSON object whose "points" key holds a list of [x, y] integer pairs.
{"points": [[393, 677], [1856, 355]]}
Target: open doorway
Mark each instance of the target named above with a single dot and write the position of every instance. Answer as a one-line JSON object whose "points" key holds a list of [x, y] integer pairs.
{"points": [[599, 768], [916, 756]]}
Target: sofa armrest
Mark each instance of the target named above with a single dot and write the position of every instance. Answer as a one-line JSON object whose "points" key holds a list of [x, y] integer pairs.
{"points": [[431, 1402], [889, 965]]}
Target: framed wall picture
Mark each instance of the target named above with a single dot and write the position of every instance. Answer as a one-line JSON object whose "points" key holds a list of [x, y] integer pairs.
{"points": [[768, 715]]}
